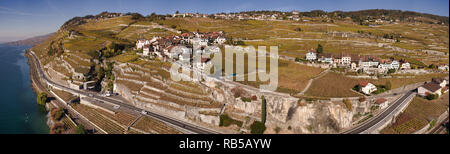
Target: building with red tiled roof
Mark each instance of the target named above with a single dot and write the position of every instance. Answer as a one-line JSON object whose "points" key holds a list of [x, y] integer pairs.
{"points": [[382, 103], [367, 87], [429, 88]]}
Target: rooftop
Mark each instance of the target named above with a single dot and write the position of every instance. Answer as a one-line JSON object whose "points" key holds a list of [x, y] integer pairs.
{"points": [[431, 86]]}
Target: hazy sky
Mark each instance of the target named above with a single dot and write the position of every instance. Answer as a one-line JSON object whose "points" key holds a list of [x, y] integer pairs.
{"points": [[26, 18]]}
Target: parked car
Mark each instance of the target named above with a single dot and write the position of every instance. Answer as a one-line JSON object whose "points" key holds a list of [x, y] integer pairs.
{"points": [[144, 112], [116, 107]]}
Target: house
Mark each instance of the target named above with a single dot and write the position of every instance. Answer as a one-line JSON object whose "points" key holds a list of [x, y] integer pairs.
{"points": [[382, 103], [367, 87], [202, 63], [140, 43], [325, 58], [220, 40], [368, 61], [405, 66], [443, 68], [337, 59], [385, 66], [311, 56], [346, 59], [353, 66], [395, 65], [429, 88], [146, 50], [199, 41], [440, 82]]}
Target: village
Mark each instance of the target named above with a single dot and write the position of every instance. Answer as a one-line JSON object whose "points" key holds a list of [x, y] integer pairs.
{"points": [[181, 48]]}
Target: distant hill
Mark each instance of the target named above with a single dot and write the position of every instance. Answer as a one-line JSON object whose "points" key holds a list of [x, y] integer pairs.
{"points": [[30, 41], [360, 15]]}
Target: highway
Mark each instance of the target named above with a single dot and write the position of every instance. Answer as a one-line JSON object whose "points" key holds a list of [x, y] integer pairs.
{"points": [[382, 117], [181, 124]]}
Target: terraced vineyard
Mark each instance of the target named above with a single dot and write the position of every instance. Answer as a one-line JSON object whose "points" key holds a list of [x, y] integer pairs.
{"points": [[121, 117], [418, 114], [153, 126], [64, 95], [68, 124], [161, 92], [98, 119]]}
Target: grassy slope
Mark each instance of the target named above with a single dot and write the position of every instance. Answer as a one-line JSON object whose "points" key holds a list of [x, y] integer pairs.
{"points": [[336, 85]]}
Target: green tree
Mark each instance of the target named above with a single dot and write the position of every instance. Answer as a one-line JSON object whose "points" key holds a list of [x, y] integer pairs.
{"points": [[357, 88], [42, 98], [388, 85], [257, 128], [80, 129], [390, 71], [263, 109], [319, 49]]}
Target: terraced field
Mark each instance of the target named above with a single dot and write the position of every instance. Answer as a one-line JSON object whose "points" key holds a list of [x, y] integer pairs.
{"points": [[337, 85], [66, 96], [418, 114], [68, 124], [99, 119], [153, 126], [121, 117], [156, 91]]}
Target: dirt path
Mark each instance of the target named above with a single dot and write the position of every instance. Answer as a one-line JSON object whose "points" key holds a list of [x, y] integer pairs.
{"points": [[311, 80]]}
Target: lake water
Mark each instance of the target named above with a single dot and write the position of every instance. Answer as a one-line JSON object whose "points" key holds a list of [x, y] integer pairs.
{"points": [[19, 111]]}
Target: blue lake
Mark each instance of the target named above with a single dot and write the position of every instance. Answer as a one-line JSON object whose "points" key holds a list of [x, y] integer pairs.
{"points": [[19, 111]]}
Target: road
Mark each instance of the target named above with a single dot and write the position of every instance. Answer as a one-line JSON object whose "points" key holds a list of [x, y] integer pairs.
{"points": [[181, 124], [382, 117]]}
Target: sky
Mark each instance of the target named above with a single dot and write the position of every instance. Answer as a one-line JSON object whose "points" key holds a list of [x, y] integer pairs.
{"points": [[21, 19]]}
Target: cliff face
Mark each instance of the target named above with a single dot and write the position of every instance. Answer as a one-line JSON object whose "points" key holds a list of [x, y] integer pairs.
{"points": [[287, 114]]}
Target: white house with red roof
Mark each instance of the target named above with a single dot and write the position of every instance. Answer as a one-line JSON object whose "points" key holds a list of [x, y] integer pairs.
{"points": [[382, 103], [367, 87]]}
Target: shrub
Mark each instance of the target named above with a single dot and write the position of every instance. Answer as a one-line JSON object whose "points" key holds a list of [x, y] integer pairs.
{"points": [[245, 99], [225, 120], [432, 96], [42, 98], [357, 88], [57, 114], [391, 71], [348, 104], [258, 127], [277, 129], [80, 129]]}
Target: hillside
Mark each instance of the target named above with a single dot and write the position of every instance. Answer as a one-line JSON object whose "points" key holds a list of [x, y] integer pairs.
{"points": [[101, 48], [30, 41]]}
